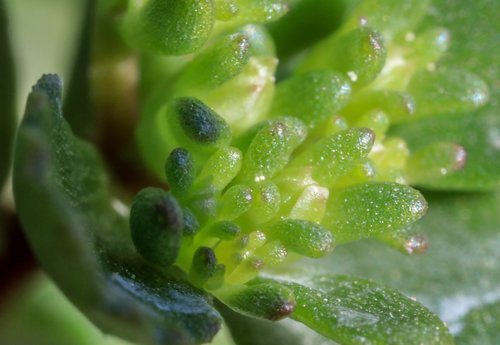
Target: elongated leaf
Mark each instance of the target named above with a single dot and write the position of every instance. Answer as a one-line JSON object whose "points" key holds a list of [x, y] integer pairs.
{"points": [[357, 311], [7, 97], [66, 210]]}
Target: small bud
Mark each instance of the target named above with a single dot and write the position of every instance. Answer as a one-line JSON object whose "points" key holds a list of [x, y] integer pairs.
{"points": [[52, 85], [224, 230], [203, 266], [179, 170], [156, 223], [200, 123]]}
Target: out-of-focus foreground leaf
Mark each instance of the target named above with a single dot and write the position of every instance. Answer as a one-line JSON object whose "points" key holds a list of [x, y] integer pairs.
{"points": [[84, 244], [7, 97]]}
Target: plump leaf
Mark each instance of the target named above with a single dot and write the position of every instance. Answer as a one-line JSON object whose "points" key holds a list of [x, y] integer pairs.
{"points": [[392, 18], [359, 55], [169, 27], [478, 134], [372, 209], [84, 244], [357, 311], [7, 97], [311, 97]]}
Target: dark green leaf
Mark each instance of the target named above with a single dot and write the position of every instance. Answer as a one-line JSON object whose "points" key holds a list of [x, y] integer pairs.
{"points": [[66, 211]]}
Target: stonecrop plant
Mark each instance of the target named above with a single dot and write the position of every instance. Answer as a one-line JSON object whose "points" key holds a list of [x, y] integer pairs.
{"points": [[257, 145]]}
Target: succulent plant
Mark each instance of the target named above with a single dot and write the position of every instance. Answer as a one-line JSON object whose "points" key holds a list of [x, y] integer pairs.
{"points": [[259, 150]]}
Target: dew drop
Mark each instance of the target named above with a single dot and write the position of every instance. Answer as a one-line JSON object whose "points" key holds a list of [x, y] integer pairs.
{"points": [[417, 244], [410, 36], [353, 76]]}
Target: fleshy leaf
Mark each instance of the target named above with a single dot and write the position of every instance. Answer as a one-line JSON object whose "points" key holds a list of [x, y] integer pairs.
{"points": [[169, 27], [214, 66], [7, 98], [392, 18], [357, 311], [359, 55], [447, 92], [371, 209], [84, 244], [479, 135], [303, 237], [332, 157], [311, 97]]}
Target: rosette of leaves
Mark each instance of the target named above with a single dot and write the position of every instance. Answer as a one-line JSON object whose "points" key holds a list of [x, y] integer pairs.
{"points": [[253, 174]]}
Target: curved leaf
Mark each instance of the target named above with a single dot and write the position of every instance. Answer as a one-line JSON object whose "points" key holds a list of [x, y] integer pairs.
{"points": [[84, 244]]}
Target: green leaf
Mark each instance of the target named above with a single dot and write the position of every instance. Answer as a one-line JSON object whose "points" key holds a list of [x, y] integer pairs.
{"points": [[7, 98], [357, 311], [84, 244]]}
